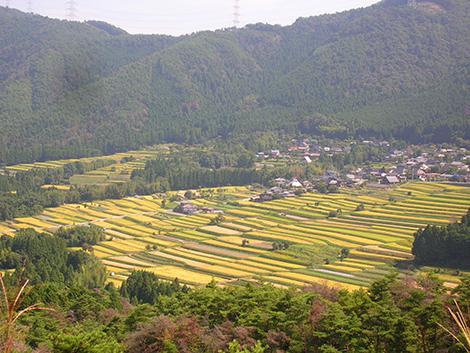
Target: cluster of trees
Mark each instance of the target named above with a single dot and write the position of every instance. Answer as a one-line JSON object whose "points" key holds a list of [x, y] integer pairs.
{"points": [[41, 257], [145, 287], [444, 246], [81, 236], [187, 173]]}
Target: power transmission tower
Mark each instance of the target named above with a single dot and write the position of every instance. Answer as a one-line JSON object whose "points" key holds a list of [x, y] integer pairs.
{"points": [[236, 13], [7, 3], [71, 9], [30, 6]]}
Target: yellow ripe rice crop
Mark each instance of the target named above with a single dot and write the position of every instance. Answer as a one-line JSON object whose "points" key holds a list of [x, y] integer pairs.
{"points": [[122, 222], [224, 271], [269, 236], [73, 212], [402, 254], [370, 200], [243, 213], [136, 242], [270, 207], [338, 234], [95, 213], [413, 207], [160, 242], [124, 246], [226, 267], [167, 255], [231, 246], [21, 226], [140, 230], [117, 282], [133, 207], [254, 263], [251, 242], [310, 279], [196, 220], [312, 238], [60, 221], [288, 281], [189, 221], [153, 206], [412, 218], [340, 267], [35, 222], [5, 229], [186, 235], [58, 187], [105, 225], [114, 211], [260, 222], [117, 270], [282, 264], [123, 266], [190, 252], [118, 235], [143, 219], [370, 255], [184, 275], [107, 250], [174, 224], [364, 262], [235, 226], [101, 254], [131, 261], [220, 230]]}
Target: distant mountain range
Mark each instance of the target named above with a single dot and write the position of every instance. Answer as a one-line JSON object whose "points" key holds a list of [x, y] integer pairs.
{"points": [[398, 68]]}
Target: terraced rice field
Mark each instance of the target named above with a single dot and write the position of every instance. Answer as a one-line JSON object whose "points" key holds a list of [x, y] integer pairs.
{"points": [[138, 157], [194, 249]]}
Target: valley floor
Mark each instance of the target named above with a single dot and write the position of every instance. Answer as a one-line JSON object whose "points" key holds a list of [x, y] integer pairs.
{"points": [[289, 242]]}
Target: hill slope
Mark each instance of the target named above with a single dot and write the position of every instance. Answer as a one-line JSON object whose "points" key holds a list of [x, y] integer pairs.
{"points": [[69, 89]]}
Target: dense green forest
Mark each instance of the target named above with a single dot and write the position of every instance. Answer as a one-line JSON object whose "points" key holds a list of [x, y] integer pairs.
{"points": [[444, 246], [393, 316], [392, 69]]}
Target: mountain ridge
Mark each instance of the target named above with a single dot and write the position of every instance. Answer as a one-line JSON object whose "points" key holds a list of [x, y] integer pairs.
{"points": [[75, 89]]}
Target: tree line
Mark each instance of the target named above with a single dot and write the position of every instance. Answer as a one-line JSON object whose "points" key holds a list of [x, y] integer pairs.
{"points": [[444, 246]]}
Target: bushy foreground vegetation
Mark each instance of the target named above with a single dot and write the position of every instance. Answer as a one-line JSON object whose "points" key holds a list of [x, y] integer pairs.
{"points": [[392, 316]]}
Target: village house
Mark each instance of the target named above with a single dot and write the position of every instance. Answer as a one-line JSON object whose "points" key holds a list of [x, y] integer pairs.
{"points": [[275, 153], [295, 183], [186, 208], [390, 180]]}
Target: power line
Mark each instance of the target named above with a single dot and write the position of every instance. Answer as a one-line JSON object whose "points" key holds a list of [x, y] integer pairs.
{"points": [[71, 8], [236, 13]]}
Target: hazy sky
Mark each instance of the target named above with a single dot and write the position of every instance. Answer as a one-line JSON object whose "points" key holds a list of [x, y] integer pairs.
{"points": [[185, 16]]}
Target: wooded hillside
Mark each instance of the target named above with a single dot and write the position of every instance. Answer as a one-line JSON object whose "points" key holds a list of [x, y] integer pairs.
{"points": [[392, 69]]}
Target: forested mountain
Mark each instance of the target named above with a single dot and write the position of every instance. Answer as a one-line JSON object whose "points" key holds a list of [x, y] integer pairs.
{"points": [[393, 69]]}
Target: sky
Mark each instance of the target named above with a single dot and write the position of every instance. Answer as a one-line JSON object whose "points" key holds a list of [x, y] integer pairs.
{"points": [[184, 16]]}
